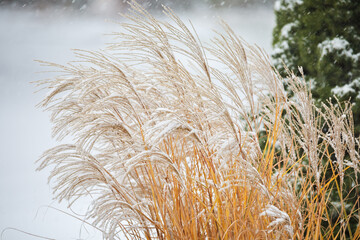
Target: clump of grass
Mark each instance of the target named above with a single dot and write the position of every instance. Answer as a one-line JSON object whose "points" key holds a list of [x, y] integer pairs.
{"points": [[168, 139]]}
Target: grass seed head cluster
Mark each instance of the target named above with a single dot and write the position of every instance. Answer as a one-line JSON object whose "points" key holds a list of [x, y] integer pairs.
{"points": [[168, 140]]}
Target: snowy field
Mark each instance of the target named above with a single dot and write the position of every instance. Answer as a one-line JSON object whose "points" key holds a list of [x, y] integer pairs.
{"points": [[25, 131]]}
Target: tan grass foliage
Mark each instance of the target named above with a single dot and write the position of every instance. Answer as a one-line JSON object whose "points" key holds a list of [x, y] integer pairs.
{"points": [[167, 139]]}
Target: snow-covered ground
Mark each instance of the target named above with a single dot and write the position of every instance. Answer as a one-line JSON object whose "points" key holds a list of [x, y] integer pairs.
{"points": [[25, 131]]}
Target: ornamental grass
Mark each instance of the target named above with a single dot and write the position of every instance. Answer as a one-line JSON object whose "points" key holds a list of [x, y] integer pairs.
{"points": [[172, 138]]}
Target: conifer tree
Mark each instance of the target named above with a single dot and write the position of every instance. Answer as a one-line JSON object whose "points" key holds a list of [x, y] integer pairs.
{"points": [[322, 36]]}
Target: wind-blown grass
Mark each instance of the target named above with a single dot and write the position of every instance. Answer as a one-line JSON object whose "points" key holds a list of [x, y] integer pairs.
{"points": [[168, 139]]}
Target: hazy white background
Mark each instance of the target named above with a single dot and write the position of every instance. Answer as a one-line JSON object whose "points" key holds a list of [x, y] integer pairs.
{"points": [[25, 131]]}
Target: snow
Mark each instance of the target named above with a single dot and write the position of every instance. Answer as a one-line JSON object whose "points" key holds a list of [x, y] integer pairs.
{"points": [[347, 88], [338, 45], [277, 5], [286, 29], [343, 90], [286, 5], [283, 45], [26, 131], [279, 49]]}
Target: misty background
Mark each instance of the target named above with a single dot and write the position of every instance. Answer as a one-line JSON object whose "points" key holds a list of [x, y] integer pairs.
{"points": [[48, 30]]}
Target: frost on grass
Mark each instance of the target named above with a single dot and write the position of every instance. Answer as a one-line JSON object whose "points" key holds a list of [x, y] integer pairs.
{"points": [[170, 145], [279, 219]]}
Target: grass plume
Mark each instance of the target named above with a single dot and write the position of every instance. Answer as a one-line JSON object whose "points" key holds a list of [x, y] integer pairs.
{"points": [[168, 139]]}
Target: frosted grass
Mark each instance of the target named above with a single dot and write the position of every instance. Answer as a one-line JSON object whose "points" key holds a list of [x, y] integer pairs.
{"points": [[26, 36]]}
